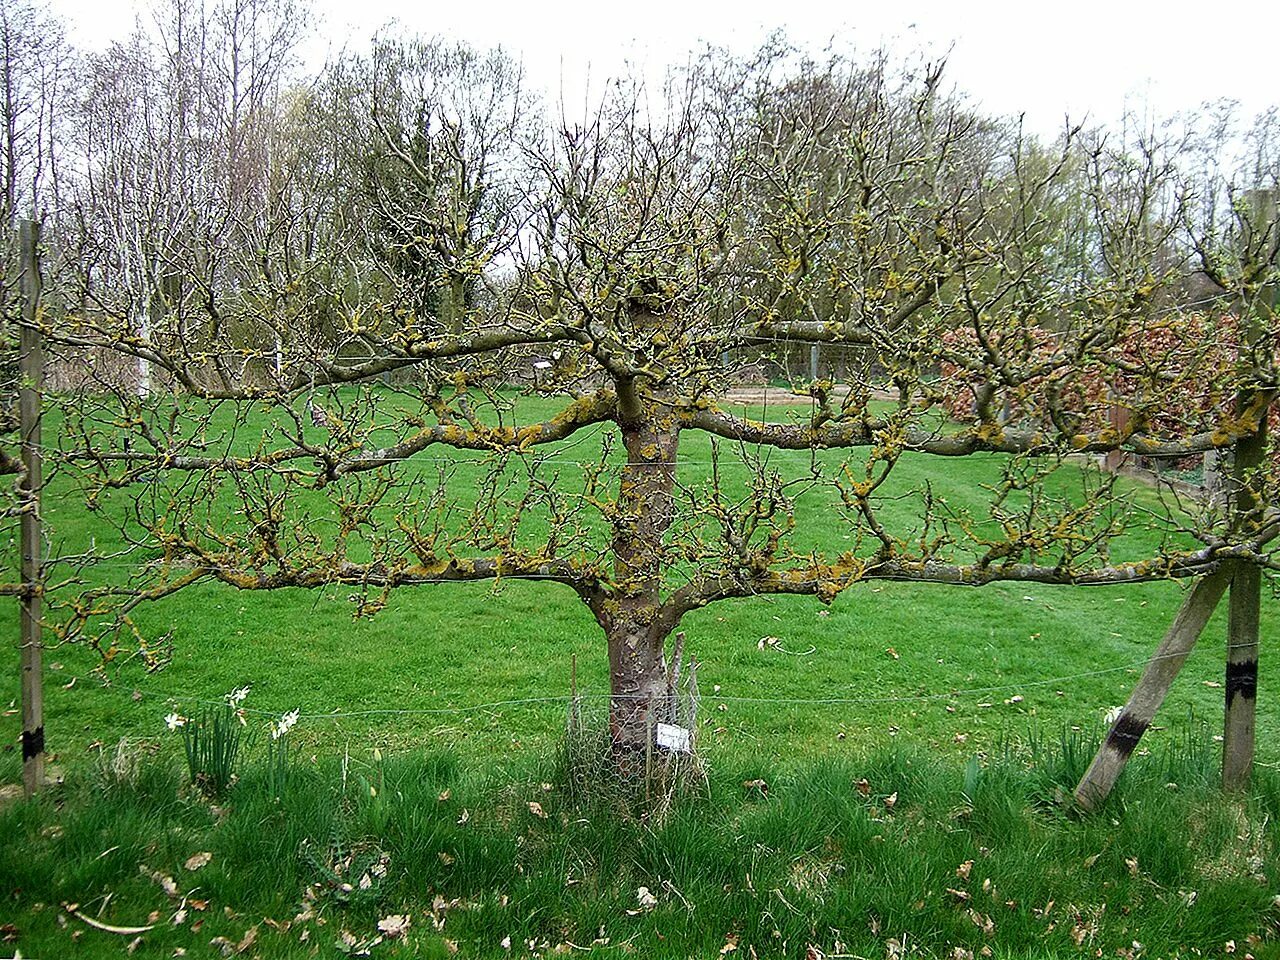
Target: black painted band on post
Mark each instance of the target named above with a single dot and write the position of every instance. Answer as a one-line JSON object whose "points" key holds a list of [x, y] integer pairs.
{"points": [[1242, 680], [32, 743], [1124, 736]]}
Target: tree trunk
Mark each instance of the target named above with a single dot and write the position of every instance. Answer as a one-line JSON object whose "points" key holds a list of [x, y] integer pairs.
{"points": [[637, 668], [638, 689]]}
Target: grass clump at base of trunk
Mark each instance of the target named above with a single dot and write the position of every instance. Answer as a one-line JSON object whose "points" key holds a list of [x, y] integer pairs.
{"points": [[896, 853]]}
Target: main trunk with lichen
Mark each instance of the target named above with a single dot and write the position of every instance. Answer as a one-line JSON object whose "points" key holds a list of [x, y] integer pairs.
{"points": [[634, 631]]}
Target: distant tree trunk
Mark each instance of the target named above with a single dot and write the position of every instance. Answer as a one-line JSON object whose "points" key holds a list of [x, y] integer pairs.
{"points": [[147, 316]]}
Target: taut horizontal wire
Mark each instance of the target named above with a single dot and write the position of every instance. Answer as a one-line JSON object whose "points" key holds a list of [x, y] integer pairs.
{"points": [[713, 697]]}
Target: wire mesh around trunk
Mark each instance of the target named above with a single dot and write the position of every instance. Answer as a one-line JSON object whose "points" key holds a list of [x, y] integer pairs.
{"points": [[595, 768]]}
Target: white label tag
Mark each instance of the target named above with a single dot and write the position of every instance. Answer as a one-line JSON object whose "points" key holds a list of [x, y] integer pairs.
{"points": [[671, 737]]}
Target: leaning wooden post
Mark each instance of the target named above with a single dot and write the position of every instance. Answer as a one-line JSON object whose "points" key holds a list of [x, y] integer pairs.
{"points": [[1151, 690], [30, 371]]}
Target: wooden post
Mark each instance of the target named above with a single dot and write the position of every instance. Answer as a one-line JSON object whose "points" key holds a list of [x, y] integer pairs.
{"points": [[30, 371], [1151, 690], [1242, 677], [1118, 417], [815, 353], [1244, 609], [1246, 586]]}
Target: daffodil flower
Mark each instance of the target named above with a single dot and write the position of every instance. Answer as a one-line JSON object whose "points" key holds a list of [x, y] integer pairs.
{"points": [[286, 723], [236, 697]]}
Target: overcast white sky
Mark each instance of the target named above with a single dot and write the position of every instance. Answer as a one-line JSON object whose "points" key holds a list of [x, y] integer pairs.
{"points": [[1041, 59]]}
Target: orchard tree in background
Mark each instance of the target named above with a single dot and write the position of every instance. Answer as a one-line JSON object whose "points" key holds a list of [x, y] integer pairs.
{"points": [[182, 176], [449, 253]]}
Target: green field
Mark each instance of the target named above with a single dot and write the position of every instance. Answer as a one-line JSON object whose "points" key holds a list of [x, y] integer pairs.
{"points": [[1015, 678]]}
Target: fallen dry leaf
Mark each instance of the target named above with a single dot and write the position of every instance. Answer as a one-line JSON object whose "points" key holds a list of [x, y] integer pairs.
{"points": [[963, 870], [536, 809], [864, 786], [167, 883], [394, 925], [196, 861], [247, 940]]}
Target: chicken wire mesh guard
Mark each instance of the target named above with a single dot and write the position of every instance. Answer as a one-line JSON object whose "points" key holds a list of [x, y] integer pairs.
{"points": [[596, 764]]}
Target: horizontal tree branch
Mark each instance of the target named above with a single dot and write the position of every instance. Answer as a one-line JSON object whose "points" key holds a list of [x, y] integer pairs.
{"points": [[827, 580], [597, 408], [585, 411], [382, 576], [987, 437], [320, 371]]}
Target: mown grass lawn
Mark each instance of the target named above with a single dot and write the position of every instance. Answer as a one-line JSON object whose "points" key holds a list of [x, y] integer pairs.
{"points": [[941, 674]]}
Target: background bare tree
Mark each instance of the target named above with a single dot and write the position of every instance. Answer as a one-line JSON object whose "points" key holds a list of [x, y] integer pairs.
{"points": [[179, 175]]}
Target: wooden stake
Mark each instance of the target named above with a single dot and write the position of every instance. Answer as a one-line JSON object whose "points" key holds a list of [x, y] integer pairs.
{"points": [[30, 371], [1246, 586], [1242, 625], [1242, 677], [1151, 690], [673, 681]]}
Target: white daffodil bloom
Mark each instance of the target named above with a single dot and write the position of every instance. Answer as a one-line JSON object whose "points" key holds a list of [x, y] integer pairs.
{"points": [[286, 723], [236, 697], [173, 721]]}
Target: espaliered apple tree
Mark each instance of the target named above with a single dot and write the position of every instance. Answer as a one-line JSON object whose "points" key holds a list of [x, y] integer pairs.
{"points": [[628, 264]]}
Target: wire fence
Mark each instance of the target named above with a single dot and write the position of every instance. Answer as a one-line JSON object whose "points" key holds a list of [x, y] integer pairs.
{"points": [[586, 700]]}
